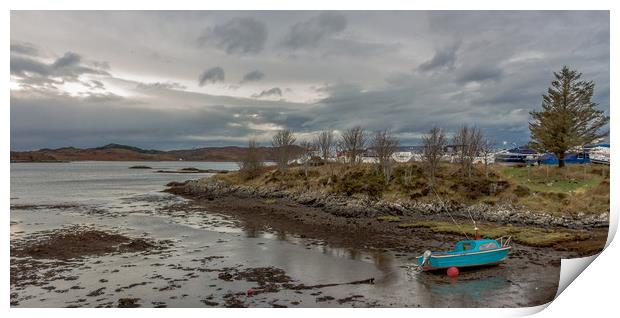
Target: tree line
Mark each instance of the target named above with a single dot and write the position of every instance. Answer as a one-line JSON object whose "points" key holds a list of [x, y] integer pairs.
{"points": [[351, 144], [568, 118]]}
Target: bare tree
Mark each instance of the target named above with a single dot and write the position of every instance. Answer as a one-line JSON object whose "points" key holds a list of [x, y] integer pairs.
{"points": [[434, 147], [486, 149], [307, 148], [353, 143], [283, 142], [251, 162], [325, 143], [384, 143], [467, 144]]}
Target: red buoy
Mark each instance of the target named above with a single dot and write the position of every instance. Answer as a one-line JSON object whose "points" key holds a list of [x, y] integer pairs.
{"points": [[250, 292], [453, 272]]}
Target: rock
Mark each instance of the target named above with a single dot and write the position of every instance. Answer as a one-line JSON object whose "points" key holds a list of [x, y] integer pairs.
{"points": [[352, 206]]}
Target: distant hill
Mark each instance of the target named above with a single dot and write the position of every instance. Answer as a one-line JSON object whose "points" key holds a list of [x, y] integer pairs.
{"points": [[136, 149], [117, 152]]}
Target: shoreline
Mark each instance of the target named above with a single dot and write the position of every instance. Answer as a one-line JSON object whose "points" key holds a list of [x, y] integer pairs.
{"points": [[349, 206], [327, 215]]}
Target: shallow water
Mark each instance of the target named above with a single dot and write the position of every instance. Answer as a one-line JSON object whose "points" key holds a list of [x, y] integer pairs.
{"points": [[110, 196]]}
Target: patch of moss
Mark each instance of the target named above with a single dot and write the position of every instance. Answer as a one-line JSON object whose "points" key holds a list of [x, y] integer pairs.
{"points": [[270, 201], [530, 236], [388, 218]]}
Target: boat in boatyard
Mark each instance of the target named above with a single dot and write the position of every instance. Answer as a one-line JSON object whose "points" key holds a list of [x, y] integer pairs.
{"points": [[516, 156], [599, 154], [569, 158], [581, 155]]}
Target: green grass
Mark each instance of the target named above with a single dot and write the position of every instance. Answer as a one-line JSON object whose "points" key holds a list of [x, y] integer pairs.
{"points": [[553, 179]]}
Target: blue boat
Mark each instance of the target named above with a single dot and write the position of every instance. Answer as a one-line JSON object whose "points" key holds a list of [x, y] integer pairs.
{"points": [[467, 253], [569, 158]]}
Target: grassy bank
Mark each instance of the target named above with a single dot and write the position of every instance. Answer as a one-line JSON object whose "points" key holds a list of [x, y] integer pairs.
{"points": [[530, 236], [573, 190]]}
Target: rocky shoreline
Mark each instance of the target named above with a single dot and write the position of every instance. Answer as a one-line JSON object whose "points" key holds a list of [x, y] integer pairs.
{"points": [[348, 206]]}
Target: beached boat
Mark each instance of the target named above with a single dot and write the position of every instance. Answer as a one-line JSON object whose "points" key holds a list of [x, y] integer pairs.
{"points": [[467, 253]]}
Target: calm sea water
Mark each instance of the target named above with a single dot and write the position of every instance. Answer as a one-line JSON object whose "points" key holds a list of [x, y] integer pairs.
{"points": [[96, 182]]}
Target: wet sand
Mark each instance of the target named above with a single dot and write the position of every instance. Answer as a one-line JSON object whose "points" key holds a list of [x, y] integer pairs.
{"points": [[240, 253]]}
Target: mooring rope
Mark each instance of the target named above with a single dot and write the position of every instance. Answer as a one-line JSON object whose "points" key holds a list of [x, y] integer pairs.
{"points": [[451, 217]]}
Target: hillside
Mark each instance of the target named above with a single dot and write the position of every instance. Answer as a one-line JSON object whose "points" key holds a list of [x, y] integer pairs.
{"points": [[116, 152]]}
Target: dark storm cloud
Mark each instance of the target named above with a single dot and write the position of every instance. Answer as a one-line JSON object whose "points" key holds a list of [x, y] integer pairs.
{"points": [[241, 35], [311, 32], [444, 58], [253, 76], [269, 92], [212, 75]]}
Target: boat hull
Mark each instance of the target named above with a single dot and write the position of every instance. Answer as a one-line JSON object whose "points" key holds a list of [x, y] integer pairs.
{"points": [[465, 259]]}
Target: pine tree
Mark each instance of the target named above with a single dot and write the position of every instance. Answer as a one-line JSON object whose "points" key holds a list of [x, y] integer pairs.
{"points": [[569, 118]]}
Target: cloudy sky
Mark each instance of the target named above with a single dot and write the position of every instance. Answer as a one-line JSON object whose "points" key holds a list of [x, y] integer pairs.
{"points": [[172, 80]]}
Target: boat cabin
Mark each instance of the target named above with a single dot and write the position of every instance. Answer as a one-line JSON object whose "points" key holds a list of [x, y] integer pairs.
{"points": [[475, 245]]}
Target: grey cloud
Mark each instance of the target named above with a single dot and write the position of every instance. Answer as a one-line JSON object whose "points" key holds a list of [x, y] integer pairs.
{"points": [[359, 48], [212, 75], [241, 35], [269, 92], [161, 85], [24, 48], [311, 32], [253, 76], [443, 59], [512, 54], [95, 84], [33, 72], [103, 65], [480, 74], [22, 65], [69, 59], [102, 98], [56, 120]]}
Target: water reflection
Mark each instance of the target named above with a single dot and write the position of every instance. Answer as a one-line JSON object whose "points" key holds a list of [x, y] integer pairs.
{"points": [[439, 289], [383, 261]]}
